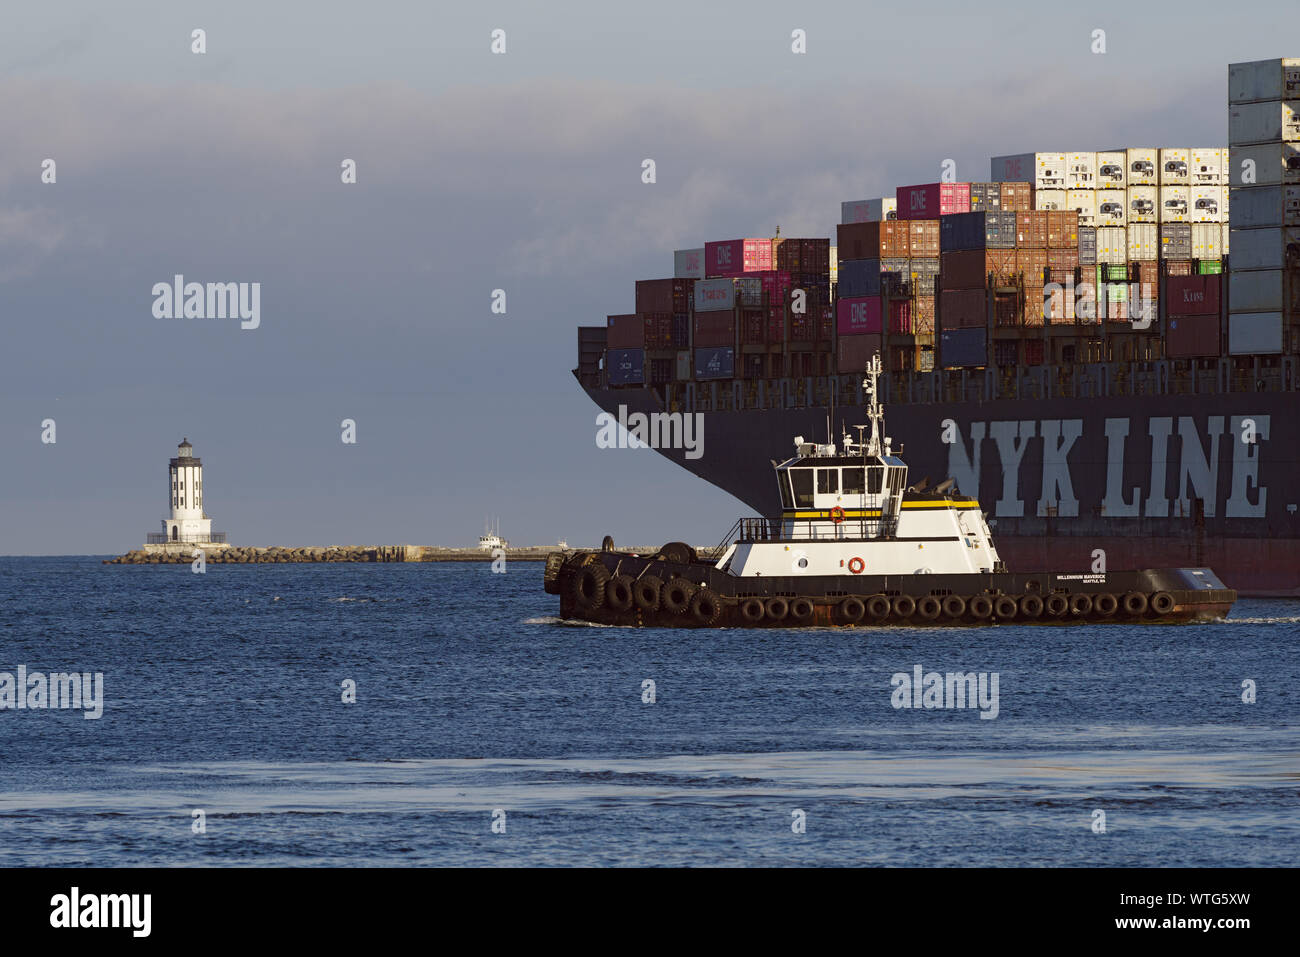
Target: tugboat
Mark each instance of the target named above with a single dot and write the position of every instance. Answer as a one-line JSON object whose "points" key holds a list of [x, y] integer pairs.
{"points": [[856, 545]]}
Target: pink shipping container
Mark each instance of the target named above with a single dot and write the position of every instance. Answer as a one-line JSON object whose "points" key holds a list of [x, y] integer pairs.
{"points": [[931, 200], [733, 257], [856, 316], [625, 332]]}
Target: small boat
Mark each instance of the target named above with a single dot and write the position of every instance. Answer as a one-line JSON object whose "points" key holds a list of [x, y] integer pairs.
{"points": [[856, 545]]}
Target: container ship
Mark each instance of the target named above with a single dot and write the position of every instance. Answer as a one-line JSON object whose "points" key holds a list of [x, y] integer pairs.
{"points": [[1101, 346]]}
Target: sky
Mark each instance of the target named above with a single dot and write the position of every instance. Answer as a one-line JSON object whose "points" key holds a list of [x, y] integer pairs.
{"points": [[474, 172]]}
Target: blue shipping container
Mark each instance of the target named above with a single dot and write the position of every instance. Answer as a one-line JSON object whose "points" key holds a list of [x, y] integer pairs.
{"points": [[963, 348], [859, 277], [715, 363], [625, 366], [681, 332], [987, 229]]}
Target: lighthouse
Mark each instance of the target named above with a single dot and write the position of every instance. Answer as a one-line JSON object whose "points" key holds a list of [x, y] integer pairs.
{"points": [[187, 522]]}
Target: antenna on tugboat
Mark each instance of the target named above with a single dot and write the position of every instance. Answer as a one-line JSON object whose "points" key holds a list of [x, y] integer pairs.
{"points": [[875, 414]]}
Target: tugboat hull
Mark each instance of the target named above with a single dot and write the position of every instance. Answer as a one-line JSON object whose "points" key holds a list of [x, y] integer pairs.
{"points": [[677, 590]]}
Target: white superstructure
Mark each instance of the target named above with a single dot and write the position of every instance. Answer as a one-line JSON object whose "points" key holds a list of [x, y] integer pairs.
{"points": [[848, 510], [187, 521]]}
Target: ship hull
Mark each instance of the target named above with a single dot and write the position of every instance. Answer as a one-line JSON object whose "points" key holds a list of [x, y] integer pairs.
{"points": [[1121, 482], [624, 588]]}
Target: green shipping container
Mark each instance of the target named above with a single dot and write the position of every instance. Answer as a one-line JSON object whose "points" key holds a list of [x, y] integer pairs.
{"points": [[1117, 272], [1209, 267]]}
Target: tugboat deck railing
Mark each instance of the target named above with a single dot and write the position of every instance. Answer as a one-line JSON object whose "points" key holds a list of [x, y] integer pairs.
{"points": [[750, 530]]}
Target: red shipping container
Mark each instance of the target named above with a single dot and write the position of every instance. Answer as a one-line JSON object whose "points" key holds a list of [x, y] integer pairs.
{"points": [[923, 238], [753, 328], [715, 329], [931, 200], [1006, 311], [900, 316], [1194, 295], [664, 295], [733, 257], [1017, 197], [826, 323], [1034, 352], [963, 308], [1190, 336], [625, 332], [1031, 228], [855, 352], [857, 316]]}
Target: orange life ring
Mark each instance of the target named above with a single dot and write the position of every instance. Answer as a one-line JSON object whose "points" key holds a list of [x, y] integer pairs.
{"points": [[856, 565], [837, 515]]}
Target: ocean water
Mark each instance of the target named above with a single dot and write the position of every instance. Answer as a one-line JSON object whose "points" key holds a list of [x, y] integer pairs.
{"points": [[223, 693]]}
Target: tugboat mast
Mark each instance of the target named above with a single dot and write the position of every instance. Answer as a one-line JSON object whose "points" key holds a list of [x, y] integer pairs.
{"points": [[878, 443]]}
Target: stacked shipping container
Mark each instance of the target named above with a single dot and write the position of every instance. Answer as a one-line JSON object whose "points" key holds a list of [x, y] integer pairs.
{"points": [[1264, 190]]}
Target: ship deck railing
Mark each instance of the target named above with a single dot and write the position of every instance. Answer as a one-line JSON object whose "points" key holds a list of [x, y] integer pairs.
{"points": [[757, 529]]}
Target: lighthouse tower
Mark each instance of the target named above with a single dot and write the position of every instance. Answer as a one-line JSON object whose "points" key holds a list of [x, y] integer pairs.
{"points": [[187, 522]]}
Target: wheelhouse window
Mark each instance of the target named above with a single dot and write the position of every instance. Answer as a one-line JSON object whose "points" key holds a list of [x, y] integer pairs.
{"points": [[801, 482], [828, 481], [852, 481], [783, 483], [875, 480]]}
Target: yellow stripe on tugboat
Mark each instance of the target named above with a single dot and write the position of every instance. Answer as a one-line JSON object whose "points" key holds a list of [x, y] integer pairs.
{"points": [[850, 513]]}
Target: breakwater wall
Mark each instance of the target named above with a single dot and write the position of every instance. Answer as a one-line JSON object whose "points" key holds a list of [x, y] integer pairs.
{"points": [[175, 554]]}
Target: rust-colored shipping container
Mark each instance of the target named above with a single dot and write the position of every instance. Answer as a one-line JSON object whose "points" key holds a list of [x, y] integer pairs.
{"points": [[1059, 307], [885, 240], [1034, 352], [1001, 263], [1017, 197], [1006, 311], [963, 308], [922, 238], [923, 316], [1033, 305], [807, 256], [1063, 259], [715, 329], [826, 323], [1192, 336], [1148, 270], [1178, 267], [672, 296], [1062, 277], [625, 332], [658, 329], [1063, 229], [1031, 228], [1031, 263]]}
